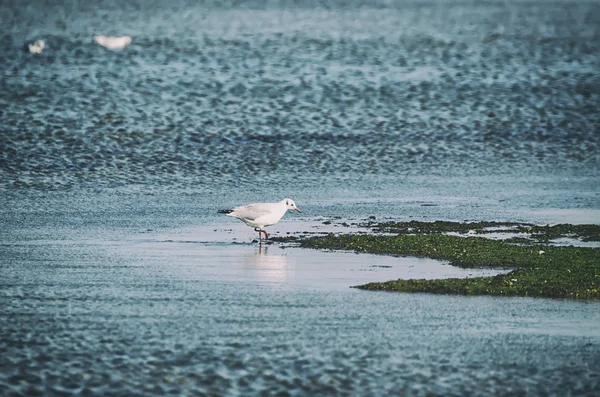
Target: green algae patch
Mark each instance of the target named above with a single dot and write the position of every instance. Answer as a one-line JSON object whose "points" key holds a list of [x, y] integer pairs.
{"points": [[547, 233], [419, 227], [536, 234], [545, 271]]}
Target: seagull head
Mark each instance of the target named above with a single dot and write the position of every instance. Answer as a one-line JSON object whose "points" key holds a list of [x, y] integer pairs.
{"points": [[290, 205]]}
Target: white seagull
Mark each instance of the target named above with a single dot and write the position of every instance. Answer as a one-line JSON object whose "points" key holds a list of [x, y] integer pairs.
{"points": [[259, 215], [113, 43], [37, 47]]}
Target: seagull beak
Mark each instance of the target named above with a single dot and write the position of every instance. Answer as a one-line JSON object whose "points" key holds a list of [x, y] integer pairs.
{"points": [[297, 209]]}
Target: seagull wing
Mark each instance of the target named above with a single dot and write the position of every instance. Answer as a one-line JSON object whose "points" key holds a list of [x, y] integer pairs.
{"points": [[252, 211]]}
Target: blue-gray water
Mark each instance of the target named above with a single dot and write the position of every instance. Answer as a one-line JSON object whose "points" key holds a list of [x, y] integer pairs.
{"points": [[208, 96], [119, 277]]}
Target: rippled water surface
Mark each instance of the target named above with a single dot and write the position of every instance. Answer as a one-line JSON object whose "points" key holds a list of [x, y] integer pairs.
{"points": [[174, 311], [210, 94], [118, 277]]}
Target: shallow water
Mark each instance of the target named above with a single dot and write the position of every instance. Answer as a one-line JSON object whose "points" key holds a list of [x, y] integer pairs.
{"points": [[119, 277], [94, 302], [144, 315]]}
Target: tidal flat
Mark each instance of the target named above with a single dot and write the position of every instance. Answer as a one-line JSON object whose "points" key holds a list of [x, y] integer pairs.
{"points": [[118, 277], [542, 270]]}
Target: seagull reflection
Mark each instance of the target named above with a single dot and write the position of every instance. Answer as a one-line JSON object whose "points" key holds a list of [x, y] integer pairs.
{"points": [[271, 268]]}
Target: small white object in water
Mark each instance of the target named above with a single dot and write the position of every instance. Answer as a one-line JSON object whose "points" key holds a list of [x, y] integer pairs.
{"points": [[541, 252], [113, 43], [259, 215], [37, 47]]}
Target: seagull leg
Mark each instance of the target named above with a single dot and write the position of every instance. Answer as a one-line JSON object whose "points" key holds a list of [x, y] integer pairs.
{"points": [[256, 229], [266, 234]]}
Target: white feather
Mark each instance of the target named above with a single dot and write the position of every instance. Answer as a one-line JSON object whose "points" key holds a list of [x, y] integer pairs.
{"points": [[37, 47], [113, 43]]}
